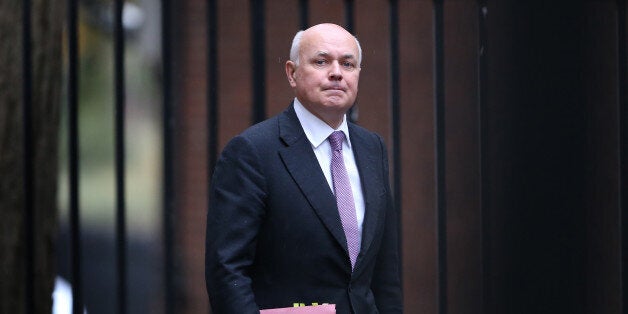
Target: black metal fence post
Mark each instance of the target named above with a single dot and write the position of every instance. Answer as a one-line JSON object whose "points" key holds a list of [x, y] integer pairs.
{"points": [[73, 161], [439, 141], [482, 124], [27, 129], [303, 14], [258, 47], [622, 53], [212, 84], [120, 155], [395, 100], [169, 121]]}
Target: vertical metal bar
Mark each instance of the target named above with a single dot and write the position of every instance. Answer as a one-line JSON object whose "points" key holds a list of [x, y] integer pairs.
{"points": [[212, 87], [303, 13], [349, 16], [258, 48], [439, 126], [212, 84], [75, 229], [395, 109], [394, 101], [483, 128], [168, 156], [119, 155], [27, 129], [622, 53], [352, 114]]}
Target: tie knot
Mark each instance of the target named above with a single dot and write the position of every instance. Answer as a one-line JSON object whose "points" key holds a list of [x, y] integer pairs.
{"points": [[335, 139]]}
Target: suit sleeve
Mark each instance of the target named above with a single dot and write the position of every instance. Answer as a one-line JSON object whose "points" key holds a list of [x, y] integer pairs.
{"points": [[236, 209], [386, 284]]}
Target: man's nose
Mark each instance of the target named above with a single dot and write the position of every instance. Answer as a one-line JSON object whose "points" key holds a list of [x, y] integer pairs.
{"points": [[335, 74]]}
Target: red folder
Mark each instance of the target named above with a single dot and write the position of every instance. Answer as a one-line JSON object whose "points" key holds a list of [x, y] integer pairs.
{"points": [[310, 309]]}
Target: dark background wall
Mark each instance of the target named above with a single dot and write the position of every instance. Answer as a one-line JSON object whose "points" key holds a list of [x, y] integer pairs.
{"points": [[553, 157], [506, 125]]}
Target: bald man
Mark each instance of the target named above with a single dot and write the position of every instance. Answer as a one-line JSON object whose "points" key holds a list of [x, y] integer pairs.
{"points": [[300, 204]]}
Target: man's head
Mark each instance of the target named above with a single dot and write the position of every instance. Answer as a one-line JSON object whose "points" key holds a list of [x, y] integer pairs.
{"points": [[324, 70]]}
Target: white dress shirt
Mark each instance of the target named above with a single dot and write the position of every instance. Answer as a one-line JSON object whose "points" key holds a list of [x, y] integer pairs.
{"points": [[317, 133]]}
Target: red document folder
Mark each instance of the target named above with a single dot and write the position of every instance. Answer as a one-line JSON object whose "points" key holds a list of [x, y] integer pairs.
{"points": [[311, 309]]}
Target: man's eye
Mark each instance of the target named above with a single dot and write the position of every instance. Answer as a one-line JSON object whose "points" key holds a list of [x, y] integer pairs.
{"points": [[348, 64], [320, 62]]}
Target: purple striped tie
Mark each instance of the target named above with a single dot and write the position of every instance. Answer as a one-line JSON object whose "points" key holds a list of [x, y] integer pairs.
{"points": [[344, 196]]}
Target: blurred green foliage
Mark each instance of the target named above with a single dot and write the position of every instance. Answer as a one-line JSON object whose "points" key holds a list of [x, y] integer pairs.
{"points": [[97, 138]]}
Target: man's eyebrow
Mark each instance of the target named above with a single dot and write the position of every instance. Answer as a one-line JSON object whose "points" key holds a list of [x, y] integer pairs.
{"points": [[326, 54], [348, 56]]}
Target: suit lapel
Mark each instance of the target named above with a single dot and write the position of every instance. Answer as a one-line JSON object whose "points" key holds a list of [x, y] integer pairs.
{"points": [[368, 161], [304, 168]]}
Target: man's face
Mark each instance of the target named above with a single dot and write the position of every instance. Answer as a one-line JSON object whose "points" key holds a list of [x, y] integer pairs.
{"points": [[326, 79]]}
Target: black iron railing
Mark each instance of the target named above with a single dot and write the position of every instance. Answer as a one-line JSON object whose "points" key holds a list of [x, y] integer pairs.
{"points": [[258, 44]]}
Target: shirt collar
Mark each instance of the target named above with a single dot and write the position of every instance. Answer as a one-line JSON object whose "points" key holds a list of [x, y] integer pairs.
{"points": [[316, 130]]}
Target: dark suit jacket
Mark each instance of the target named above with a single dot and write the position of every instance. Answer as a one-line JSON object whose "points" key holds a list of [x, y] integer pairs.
{"points": [[274, 235]]}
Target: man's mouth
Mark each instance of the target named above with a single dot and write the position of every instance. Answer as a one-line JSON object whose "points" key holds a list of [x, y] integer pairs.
{"points": [[334, 87]]}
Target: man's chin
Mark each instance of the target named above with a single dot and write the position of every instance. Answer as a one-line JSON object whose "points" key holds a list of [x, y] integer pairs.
{"points": [[338, 105], [336, 101]]}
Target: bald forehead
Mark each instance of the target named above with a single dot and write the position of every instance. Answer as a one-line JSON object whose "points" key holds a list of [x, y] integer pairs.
{"points": [[329, 34], [327, 27]]}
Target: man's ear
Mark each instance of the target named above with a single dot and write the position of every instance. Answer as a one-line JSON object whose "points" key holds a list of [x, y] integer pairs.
{"points": [[291, 69]]}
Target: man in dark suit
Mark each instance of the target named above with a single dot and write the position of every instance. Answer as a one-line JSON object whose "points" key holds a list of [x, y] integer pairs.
{"points": [[301, 209]]}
